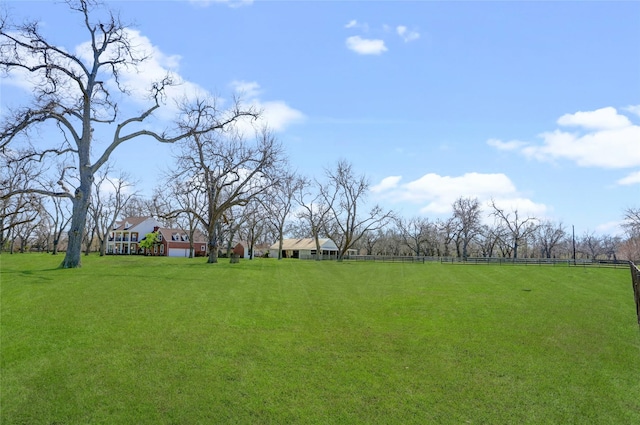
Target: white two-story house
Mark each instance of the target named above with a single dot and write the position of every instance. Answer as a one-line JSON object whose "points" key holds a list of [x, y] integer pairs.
{"points": [[125, 236]]}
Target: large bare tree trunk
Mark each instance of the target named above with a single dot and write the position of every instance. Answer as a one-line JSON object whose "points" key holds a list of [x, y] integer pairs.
{"points": [[213, 246], [280, 242], [72, 257]]}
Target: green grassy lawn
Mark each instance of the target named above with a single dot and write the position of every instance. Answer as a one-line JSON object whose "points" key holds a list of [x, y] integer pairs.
{"points": [[135, 340]]}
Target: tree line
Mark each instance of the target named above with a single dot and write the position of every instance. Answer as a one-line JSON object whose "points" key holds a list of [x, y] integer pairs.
{"points": [[231, 179], [234, 205]]}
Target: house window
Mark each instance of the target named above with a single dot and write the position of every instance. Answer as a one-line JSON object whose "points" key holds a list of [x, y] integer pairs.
{"points": [[162, 249], [203, 248], [175, 237], [185, 237], [159, 237], [155, 249]]}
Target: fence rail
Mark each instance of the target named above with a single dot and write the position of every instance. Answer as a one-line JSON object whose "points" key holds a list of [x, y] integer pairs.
{"points": [[635, 281], [491, 260]]}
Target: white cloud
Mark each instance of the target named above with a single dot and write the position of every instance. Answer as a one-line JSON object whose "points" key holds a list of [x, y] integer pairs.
{"points": [[352, 24], [633, 178], [407, 35], [275, 113], [611, 228], [364, 46], [386, 184], [138, 80], [600, 119], [611, 141], [437, 193], [614, 148], [634, 109], [278, 115], [359, 25], [525, 207], [506, 146], [230, 3], [250, 89]]}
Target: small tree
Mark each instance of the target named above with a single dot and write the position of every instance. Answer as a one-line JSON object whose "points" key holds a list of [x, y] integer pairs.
{"points": [[149, 241]]}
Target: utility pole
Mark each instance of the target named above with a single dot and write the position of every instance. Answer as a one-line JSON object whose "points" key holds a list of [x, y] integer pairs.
{"points": [[573, 238]]}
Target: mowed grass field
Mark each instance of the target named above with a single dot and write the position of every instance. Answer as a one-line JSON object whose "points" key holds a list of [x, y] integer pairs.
{"points": [[135, 340]]}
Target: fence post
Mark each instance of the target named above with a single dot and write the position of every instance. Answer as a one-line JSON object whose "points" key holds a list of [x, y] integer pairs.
{"points": [[635, 279]]}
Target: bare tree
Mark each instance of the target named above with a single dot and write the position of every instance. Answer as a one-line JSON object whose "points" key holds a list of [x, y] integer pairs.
{"points": [[230, 226], [110, 195], [72, 91], [517, 229], [279, 201], [467, 215], [314, 209], [24, 231], [42, 234], [630, 248], [488, 240], [60, 217], [230, 171], [390, 242], [610, 246], [89, 234], [254, 225], [591, 245], [548, 235], [17, 207], [176, 203], [370, 241], [138, 206], [446, 232], [632, 221], [344, 194], [416, 234]]}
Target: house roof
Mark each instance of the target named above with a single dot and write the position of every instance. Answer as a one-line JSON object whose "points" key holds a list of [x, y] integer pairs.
{"points": [[180, 235], [305, 243], [130, 222]]}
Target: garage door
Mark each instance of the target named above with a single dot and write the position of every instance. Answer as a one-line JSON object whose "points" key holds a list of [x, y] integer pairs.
{"points": [[178, 252]]}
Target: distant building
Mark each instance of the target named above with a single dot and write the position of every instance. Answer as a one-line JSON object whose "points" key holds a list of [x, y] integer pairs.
{"points": [[126, 235], [175, 243], [306, 249]]}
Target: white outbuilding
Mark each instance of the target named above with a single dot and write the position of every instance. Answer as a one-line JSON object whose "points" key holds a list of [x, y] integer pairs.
{"points": [[304, 249]]}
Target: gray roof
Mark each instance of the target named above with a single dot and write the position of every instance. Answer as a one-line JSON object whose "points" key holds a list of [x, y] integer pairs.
{"points": [[305, 244], [182, 235], [130, 222]]}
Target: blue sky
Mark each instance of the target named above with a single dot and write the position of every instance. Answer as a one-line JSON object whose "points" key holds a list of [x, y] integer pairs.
{"points": [[533, 104]]}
